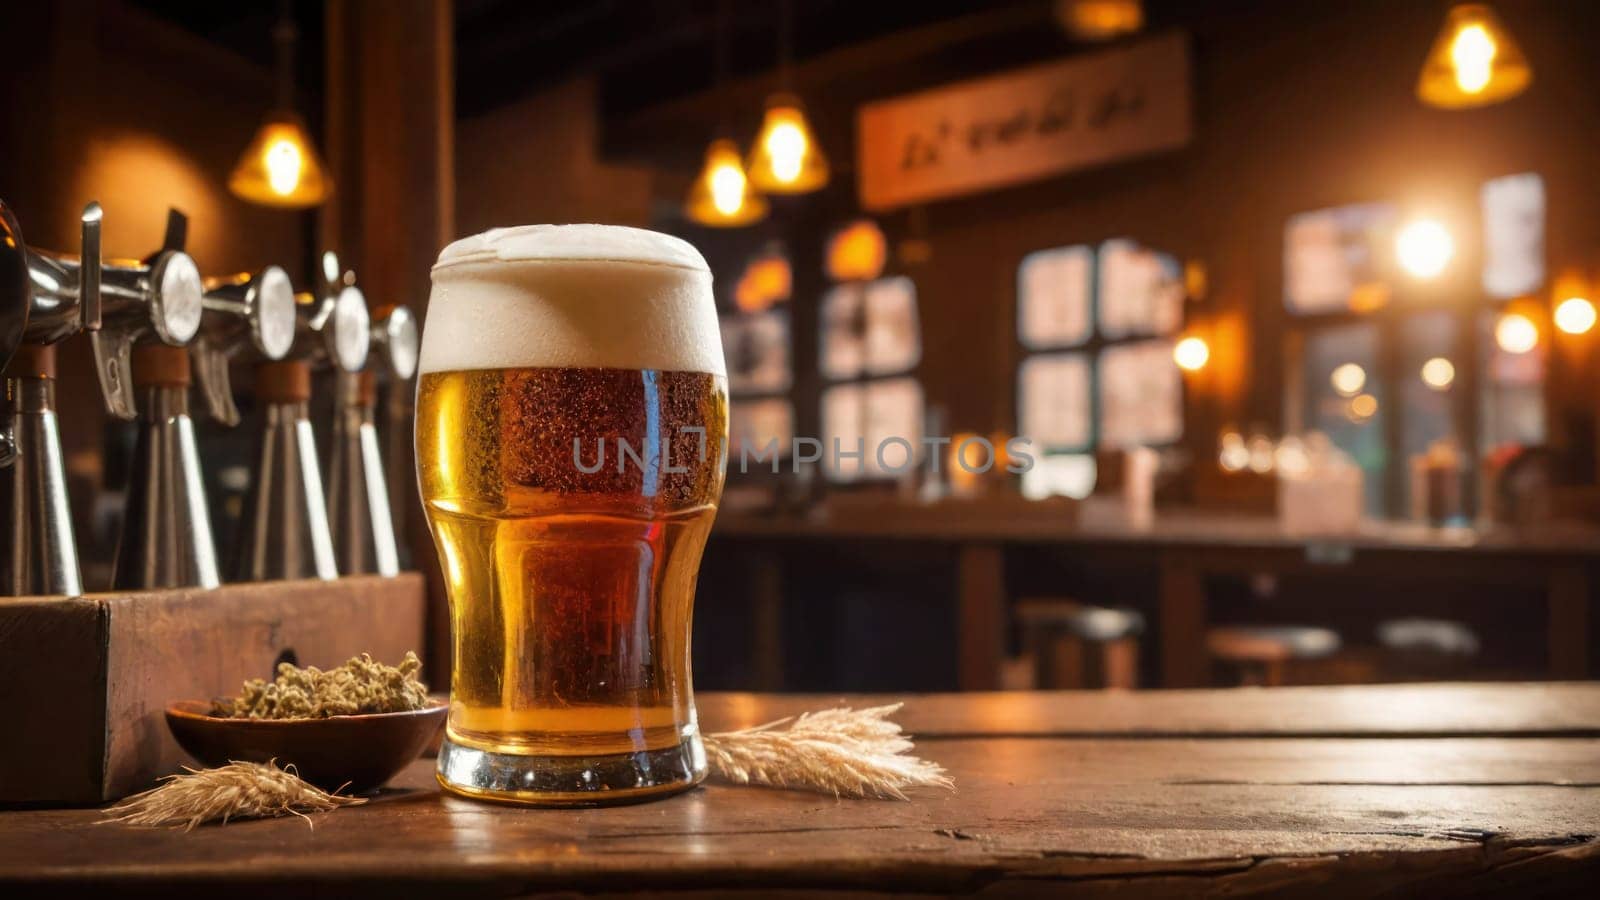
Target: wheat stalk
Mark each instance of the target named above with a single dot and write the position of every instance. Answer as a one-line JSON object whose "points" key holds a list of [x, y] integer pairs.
{"points": [[845, 752], [239, 790]]}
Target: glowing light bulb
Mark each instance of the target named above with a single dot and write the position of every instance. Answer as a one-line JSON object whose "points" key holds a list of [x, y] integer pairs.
{"points": [[1516, 333], [722, 196], [1191, 354], [1291, 457], [1348, 379], [1575, 315], [1438, 373], [281, 167], [1233, 456], [727, 189], [1424, 248], [283, 164], [786, 158], [857, 252], [786, 144], [1474, 61], [1472, 56], [1261, 451]]}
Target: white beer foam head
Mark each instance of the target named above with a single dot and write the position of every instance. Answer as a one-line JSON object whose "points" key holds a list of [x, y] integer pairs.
{"points": [[579, 296]]}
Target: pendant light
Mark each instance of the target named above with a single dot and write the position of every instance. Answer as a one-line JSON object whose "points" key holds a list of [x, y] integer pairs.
{"points": [[281, 166], [786, 158], [1474, 61], [722, 195]]}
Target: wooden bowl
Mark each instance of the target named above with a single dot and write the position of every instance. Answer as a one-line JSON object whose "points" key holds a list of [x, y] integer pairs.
{"points": [[358, 753]]}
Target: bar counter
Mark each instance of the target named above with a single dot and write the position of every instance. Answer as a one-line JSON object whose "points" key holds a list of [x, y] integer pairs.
{"points": [[1321, 791], [1185, 548]]}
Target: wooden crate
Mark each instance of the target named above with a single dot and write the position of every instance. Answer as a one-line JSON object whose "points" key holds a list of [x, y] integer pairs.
{"points": [[84, 680]]}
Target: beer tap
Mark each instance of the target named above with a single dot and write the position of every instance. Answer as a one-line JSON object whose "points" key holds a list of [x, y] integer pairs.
{"points": [[247, 316], [358, 491], [165, 537], [284, 533], [119, 303], [44, 298]]}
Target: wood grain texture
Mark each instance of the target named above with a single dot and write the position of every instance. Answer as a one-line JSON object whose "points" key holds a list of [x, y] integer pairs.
{"points": [[53, 678], [1400, 710], [200, 644], [112, 663], [1032, 816]]}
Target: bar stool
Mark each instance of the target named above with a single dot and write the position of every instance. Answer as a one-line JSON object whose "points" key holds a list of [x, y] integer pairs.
{"points": [[1074, 645], [1426, 649], [1261, 654]]}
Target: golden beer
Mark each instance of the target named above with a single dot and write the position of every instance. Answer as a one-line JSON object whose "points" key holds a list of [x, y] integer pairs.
{"points": [[570, 505]]}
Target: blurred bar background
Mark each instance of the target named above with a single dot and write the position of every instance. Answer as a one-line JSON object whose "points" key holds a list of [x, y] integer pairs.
{"points": [[1301, 335]]}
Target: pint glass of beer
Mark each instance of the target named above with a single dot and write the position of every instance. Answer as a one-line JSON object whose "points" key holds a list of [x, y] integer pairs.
{"points": [[571, 416]]}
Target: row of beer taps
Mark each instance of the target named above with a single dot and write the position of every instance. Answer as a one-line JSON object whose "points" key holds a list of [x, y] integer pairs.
{"points": [[158, 329]]}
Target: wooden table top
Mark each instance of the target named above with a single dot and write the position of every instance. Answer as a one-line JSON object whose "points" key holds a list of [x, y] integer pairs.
{"points": [[1323, 791]]}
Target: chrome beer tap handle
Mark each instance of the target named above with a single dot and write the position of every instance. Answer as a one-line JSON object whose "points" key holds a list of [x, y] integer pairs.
{"points": [[44, 298], [396, 340], [334, 325], [158, 297], [244, 315], [89, 269], [47, 296]]}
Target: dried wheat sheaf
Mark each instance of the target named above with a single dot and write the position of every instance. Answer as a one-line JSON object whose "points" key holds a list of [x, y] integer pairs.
{"points": [[845, 752], [239, 790]]}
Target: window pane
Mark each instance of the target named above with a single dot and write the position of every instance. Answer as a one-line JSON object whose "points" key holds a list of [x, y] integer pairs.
{"points": [[753, 425], [1333, 259], [757, 350], [1345, 400], [1053, 402], [1141, 395], [1140, 291], [1054, 289], [1513, 235], [1427, 385], [843, 351], [893, 337], [870, 329], [1060, 475], [1512, 411], [869, 415]]}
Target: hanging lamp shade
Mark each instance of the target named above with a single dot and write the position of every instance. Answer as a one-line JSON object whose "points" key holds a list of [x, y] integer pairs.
{"points": [[722, 196], [281, 166], [1474, 61], [786, 158]]}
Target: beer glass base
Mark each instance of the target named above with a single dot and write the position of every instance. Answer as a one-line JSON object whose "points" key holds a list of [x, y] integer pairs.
{"points": [[571, 780]]}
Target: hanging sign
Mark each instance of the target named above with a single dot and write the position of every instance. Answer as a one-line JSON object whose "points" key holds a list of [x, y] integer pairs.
{"points": [[1024, 125]]}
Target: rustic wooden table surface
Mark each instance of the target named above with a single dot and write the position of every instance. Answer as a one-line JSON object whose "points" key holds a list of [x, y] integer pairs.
{"points": [[1338, 792]]}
